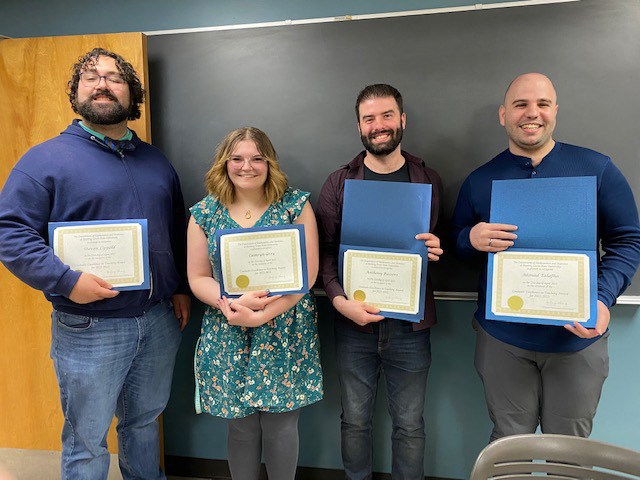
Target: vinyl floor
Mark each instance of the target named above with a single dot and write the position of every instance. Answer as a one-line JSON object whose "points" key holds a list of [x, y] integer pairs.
{"points": [[17, 464]]}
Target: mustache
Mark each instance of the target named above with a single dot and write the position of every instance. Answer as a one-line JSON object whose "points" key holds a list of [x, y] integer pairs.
{"points": [[378, 132], [103, 93]]}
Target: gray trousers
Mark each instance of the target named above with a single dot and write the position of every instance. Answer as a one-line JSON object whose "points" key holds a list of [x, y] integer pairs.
{"points": [[523, 388]]}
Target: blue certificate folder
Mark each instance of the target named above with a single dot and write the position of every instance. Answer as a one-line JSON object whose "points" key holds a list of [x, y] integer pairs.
{"points": [[145, 280], [386, 217], [275, 228], [553, 215]]}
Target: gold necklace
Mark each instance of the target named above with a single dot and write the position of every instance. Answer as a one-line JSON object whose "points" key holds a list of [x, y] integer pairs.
{"points": [[247, 214]]}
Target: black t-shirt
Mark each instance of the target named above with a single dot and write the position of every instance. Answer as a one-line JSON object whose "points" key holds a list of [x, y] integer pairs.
{"points": [[400, 175]]}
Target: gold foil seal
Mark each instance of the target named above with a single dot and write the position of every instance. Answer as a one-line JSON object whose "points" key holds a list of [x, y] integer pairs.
{"points": [[242, 281], [359, 295]]}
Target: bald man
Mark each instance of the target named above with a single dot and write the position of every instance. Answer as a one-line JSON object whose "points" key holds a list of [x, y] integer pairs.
{"points": [[537, 374]]}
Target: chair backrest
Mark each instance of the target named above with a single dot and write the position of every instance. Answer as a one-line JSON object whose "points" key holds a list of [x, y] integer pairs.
{"points": [[561, 457]]}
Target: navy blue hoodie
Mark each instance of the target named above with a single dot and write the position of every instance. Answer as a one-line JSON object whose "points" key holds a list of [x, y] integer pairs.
{"points": [[75, 177]]}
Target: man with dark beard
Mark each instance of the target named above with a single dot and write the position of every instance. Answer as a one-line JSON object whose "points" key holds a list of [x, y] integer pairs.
{"points": [[366, 342], [113, 351]]}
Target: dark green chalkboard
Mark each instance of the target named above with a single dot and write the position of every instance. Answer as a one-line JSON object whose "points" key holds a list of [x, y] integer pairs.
{"points": [[299, 84]]}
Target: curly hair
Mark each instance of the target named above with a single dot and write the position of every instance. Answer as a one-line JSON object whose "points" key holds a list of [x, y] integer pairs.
{"points": [[136, 91], [217, 179]]}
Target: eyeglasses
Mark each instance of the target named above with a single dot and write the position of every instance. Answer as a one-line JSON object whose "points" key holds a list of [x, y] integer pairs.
{"points": [[238, 162], [91, 79]]}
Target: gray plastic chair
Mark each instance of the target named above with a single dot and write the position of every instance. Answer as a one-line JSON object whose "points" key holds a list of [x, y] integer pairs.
{"points": [[561, 457]]}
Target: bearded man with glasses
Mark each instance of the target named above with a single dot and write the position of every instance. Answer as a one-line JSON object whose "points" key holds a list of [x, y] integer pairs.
{"points": [[113, 351]]}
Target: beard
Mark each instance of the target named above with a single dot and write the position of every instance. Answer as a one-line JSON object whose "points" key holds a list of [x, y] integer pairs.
{"points": [[383, 148], [104, 114]]}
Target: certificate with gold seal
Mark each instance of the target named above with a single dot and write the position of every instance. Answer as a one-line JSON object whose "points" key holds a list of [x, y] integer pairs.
{"points": [[263, 258], [550, 274], [388, 266], [115, 250], [553, 286], [387, 280]]}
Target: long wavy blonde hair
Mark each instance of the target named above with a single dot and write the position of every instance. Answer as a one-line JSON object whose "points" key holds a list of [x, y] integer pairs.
{"points": [[217, 180]]}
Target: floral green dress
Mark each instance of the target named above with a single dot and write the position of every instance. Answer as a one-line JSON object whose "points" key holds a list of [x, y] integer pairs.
{"points": [[274, 367]]}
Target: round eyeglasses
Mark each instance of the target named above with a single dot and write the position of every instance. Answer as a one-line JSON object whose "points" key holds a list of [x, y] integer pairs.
{"points": [[91, 79], [239, 162]]}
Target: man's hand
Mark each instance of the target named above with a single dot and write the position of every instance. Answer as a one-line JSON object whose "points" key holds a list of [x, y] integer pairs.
{"points": [[492, 237], [358, 312], [256, 300], [90, 288], [181, 308], [602, 323], [433, 245]]}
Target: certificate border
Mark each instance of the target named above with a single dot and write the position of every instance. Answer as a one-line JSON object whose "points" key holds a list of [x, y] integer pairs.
{"points": [[297, 282], [498, 271], [593, 289], [136, 233], [303, 255], [141, 279], [413, 258]]}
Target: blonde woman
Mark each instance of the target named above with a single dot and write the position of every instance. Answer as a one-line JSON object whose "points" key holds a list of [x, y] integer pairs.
{"points": [[257, 360]]}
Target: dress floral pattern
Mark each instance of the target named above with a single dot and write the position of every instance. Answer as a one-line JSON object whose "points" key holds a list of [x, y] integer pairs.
{"points": [[274, 367]]}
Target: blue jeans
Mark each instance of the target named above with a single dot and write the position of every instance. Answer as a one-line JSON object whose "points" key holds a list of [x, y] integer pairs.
{"points": [[405, 357], [108, 366]]}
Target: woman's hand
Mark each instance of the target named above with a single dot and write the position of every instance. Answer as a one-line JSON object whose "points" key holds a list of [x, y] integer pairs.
{"points": [[256, 300], [241, 316]]}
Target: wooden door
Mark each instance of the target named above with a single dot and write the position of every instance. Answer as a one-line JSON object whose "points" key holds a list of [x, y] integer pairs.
{"points": [[33, 108]]}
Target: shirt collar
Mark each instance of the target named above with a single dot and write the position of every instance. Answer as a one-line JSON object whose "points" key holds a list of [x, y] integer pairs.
{"points": [[525, 162], [126, 136]]}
